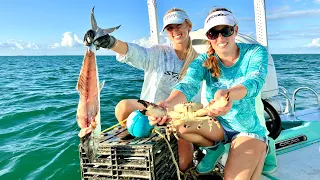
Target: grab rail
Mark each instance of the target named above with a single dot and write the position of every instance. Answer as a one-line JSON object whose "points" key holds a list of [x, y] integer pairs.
{"points": [[294, 97], [288, 108]]}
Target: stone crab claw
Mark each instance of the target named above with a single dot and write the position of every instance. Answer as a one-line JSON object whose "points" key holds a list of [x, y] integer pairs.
{"points": [[152, 109]]}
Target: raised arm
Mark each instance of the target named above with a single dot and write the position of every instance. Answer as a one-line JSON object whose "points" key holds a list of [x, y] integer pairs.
{"points": [[132, 54], [120, 47]]}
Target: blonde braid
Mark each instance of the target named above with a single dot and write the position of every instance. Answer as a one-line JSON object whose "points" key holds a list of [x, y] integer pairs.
{"points": [[191, 54]]}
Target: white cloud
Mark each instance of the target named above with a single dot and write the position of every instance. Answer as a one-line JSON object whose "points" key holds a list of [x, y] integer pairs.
{"points": [[147, 42], [32, 46], [68, 40], [144, 42], [55, 45], [293, 14], [317, 1], [314, 43], [14, 44]]}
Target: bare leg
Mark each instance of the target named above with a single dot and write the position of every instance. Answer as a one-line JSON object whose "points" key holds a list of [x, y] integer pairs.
{"points": [[185, 151], [125, 107], [205, 138], [202, 136], [245, 158], [257, 172], [197, 139]]}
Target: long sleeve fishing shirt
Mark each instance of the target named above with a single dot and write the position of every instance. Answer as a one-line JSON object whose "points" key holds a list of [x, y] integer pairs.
{"points": [[250, 70], [161, 67]]}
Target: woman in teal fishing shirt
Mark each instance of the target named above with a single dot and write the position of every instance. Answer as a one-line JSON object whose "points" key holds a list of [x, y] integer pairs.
{"points": [[239, 69]]}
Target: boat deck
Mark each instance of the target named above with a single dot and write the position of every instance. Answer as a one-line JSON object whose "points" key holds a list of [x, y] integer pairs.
{"points": [[301, 164], [312, 114], [301, 161]]}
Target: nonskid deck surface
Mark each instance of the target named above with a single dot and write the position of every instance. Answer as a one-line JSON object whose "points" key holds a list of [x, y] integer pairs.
{"points": [[300, 164], [312, 114], [302, 160]]}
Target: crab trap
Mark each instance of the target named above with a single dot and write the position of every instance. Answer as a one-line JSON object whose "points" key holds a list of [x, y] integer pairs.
{"points": [[139, 158]]}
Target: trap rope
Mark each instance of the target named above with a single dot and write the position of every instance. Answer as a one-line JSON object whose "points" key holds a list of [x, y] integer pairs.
{"points": [[112, 127]]}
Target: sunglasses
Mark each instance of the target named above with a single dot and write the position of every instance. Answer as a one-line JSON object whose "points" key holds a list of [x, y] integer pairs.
{"points": [[213, 34]]}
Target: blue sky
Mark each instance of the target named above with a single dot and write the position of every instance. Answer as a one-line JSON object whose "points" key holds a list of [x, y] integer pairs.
{"points": [[56, 27]]}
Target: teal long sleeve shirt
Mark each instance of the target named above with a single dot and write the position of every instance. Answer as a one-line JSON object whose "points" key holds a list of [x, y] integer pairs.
{"points": [[249, 70]]}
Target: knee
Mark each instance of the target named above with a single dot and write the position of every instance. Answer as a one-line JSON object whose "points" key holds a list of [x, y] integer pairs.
{"points": [[185, 161], [184, 164], [121, 106], [121, 111], [233, 176], [182, 130]]}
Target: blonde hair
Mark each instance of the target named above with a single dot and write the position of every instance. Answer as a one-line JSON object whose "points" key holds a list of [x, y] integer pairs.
{"points": [[212, 63], [190, 53]]}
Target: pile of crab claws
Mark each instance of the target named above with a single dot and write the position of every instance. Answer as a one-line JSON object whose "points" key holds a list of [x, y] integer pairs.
{"points": [[180, 114]]}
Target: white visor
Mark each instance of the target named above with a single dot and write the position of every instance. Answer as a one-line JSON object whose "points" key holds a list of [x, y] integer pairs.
{"points": [[219, 18], [176, 17]]}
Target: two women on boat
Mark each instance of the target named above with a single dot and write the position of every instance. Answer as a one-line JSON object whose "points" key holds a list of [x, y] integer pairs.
{"points": [[174, 74]]}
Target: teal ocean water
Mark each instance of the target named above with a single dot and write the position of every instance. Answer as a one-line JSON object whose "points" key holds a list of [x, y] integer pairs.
{"points": [[38, 103]]}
